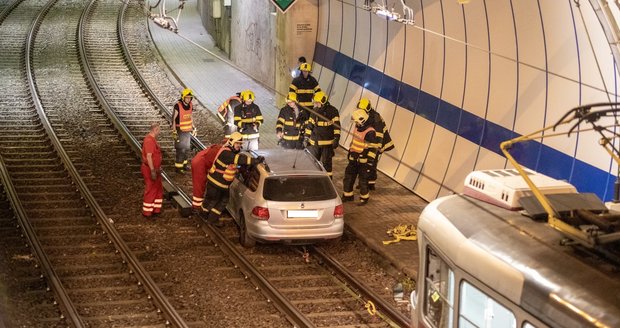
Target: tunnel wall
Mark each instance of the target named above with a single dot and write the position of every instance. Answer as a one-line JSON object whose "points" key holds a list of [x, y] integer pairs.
{"points": [[466, 77]]}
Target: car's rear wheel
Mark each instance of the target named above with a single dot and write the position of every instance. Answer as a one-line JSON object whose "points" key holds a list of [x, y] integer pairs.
{"points": [[244, 237]]}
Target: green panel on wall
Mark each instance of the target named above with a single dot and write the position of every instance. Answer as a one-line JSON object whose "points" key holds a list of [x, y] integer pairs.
{"points": [[283, 5]]}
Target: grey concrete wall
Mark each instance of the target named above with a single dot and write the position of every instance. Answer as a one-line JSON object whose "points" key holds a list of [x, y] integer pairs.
{"points": [[253, 39], [216, 21]]}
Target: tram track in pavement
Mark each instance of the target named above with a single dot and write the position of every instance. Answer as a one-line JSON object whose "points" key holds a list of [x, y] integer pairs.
{"points": [[96, 280]]}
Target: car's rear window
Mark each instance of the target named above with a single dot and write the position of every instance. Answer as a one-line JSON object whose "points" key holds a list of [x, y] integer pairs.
{"points": [[298, 188]]}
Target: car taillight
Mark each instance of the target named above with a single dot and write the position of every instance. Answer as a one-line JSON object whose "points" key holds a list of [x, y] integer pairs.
{"points": [[339, 211], [261, 213]]}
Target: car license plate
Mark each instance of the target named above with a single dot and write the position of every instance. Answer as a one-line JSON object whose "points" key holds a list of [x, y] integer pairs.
{"points": [[302, 214]]}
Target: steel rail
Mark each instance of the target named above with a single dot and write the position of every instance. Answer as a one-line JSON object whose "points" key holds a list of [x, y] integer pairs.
{"points": [[62, 296], [279, 300], [43, 260], [341, 271], [163, 109], [146, 280]]}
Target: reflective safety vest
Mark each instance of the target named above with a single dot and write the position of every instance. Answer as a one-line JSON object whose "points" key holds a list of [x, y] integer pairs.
{"points": [[362, 147], [358, 143], [185, 117], [228, 171], [223, 171]]}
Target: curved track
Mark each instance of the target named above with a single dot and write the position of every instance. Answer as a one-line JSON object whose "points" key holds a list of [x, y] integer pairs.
{"points": [[92, 281], [101, 103]]}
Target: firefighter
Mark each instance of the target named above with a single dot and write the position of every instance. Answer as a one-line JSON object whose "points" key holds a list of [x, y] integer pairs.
{"points": [[248, 119], [289, 124], [305, 86], [226, 113], [151, 172], [201, 164], [383, 137], [183, 129], [296, 72], [322, 133], [221, 175], [361, 156]]}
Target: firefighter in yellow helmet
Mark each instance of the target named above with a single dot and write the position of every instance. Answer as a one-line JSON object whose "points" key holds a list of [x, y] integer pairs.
{"points": [[248, 119], [221, 175], [183, 129], [305, 86], [322, 132], [361, 156], [384, 139], [289, 125]]}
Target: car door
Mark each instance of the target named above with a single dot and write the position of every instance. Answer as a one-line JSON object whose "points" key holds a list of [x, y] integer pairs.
{"points": [[236, 190]]}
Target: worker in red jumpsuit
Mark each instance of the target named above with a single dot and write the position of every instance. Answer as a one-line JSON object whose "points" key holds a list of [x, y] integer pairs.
{"points": [[201, 164], [151, 171]]}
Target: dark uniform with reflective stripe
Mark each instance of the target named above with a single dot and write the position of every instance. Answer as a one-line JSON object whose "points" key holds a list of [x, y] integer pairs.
{"points": [[304, 87], [384, 141], [362, 155], [248, 119], [290, 122], [323, 134], [220, 176]]}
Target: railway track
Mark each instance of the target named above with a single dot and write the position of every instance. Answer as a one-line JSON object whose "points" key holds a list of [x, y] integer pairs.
{"points": [[94, 137], [82, 256]]}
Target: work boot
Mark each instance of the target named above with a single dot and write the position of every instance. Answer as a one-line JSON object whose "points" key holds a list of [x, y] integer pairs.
{"points": [[180, 171], [347, 198], [371, 187], [363, 202]]}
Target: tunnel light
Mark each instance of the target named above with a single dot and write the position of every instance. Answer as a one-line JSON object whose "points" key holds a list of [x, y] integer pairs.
{"points": [[381, 9], [390, 15]]}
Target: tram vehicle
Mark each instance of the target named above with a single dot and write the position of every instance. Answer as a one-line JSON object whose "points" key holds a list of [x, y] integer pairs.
{"points": [[488, 257]]}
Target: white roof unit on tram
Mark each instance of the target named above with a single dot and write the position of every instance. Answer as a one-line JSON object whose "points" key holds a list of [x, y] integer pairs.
{"points": [[505, 187]]}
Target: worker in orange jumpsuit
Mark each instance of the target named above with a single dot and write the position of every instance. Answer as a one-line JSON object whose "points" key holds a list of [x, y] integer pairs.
{"points": [[201, 164], [151, 172]]}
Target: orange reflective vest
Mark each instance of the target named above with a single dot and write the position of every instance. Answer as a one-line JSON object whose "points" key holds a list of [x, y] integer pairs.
{"points": [[358, 143], [185, 117]]}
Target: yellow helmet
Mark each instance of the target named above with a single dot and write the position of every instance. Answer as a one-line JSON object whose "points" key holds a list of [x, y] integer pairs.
{"points": [[234, 138], [187, 93], [364, 104], [320, 97], [292, 96], [247, 95], [359, 116], [305, 67]]}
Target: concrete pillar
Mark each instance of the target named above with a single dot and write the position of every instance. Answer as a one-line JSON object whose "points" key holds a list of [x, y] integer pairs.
{"points": [[296, 36]]}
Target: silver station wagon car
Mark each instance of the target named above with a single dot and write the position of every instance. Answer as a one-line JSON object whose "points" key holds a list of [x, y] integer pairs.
{"points": [[289, 198]]}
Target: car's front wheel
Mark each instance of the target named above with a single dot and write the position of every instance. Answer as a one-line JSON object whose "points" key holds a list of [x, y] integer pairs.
{"points": [[244, 237]]}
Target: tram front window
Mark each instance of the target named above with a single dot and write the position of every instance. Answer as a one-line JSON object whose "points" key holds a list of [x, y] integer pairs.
{"points": [[479, 310], [439, 291]]}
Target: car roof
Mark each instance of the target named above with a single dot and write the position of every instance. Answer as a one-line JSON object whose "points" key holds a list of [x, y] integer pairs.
{"points": [[289, 161]]}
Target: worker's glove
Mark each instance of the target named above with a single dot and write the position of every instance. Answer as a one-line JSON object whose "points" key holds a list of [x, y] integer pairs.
{"points": [[194, 131], [260, 159], [305, 143], [153, 175]]}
